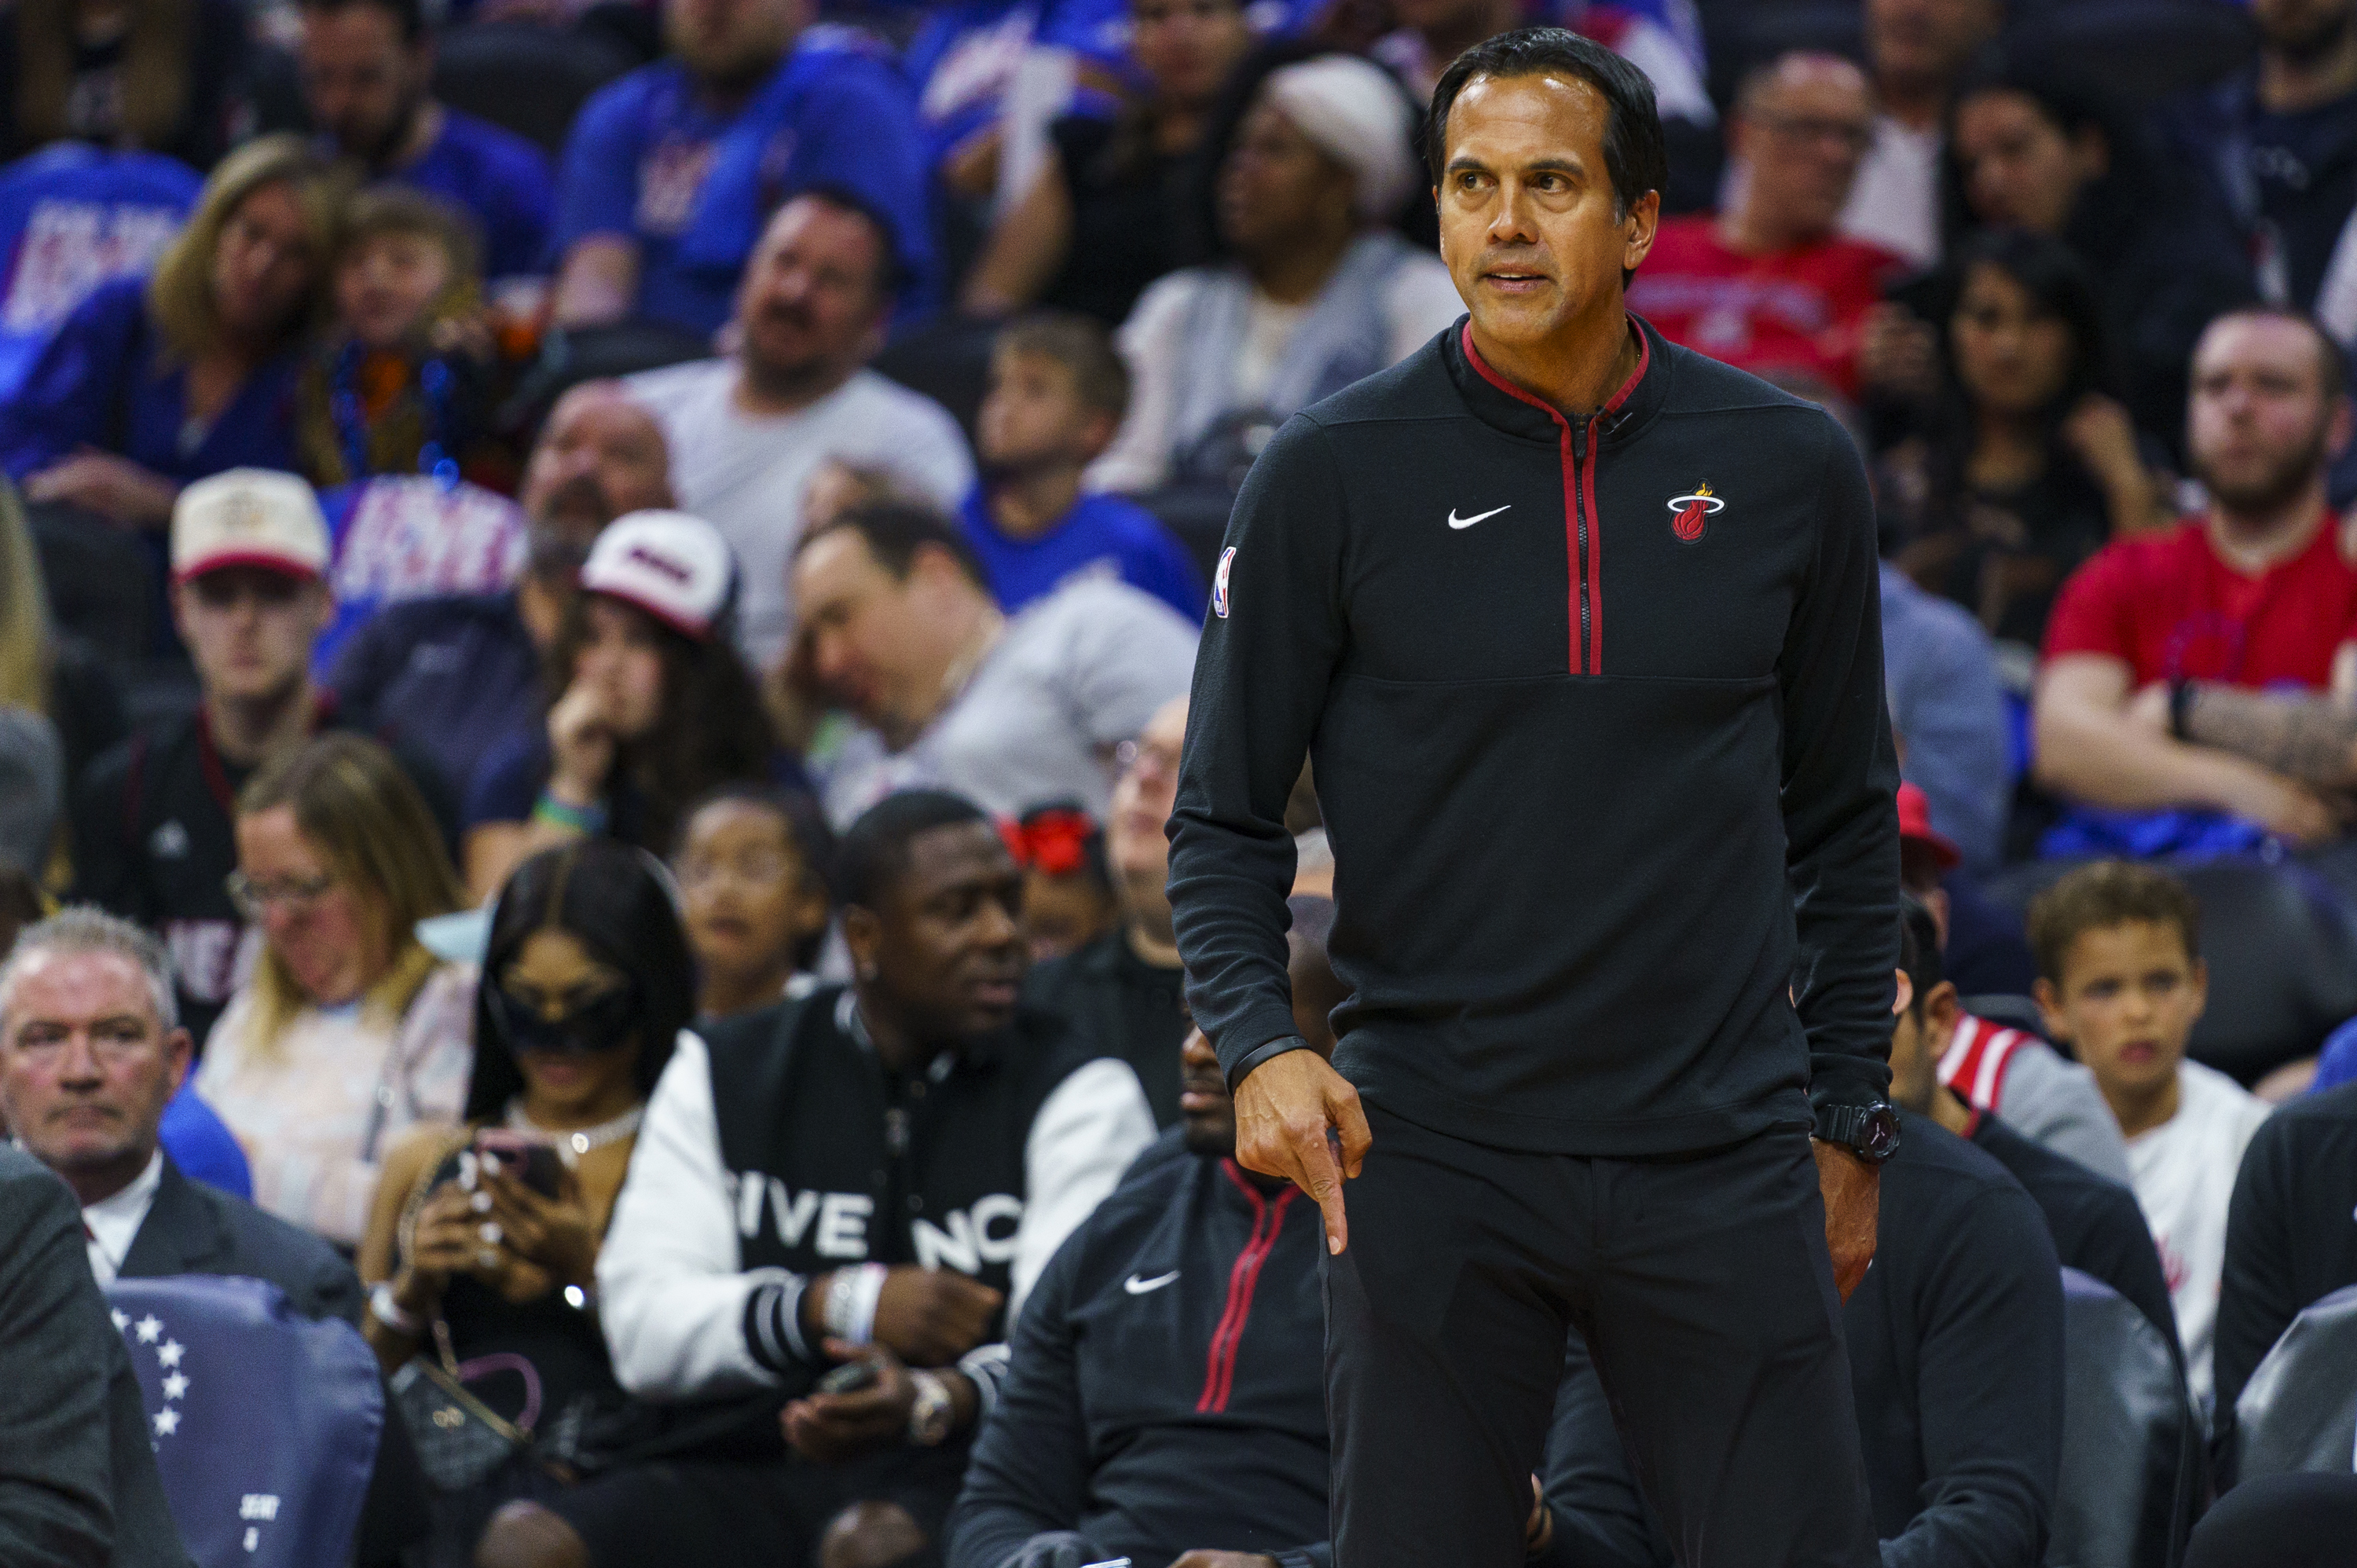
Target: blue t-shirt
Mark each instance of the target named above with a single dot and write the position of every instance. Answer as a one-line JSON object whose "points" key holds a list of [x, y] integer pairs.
{"points": [[504, 182], [648, 162], [72, 217], [964, 59], [1100, 532], [455, 674], [103, 382]]}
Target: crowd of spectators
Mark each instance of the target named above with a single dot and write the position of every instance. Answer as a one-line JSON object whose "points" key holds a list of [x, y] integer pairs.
{"points": [[663, 638]]}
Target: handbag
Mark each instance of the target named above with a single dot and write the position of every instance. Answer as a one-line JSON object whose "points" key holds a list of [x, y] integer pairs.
{"points": [[460, 1441]]}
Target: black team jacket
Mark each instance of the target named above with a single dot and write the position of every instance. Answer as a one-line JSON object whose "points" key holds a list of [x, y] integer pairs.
{"points": [[1165, 1389], [1598, 717]]}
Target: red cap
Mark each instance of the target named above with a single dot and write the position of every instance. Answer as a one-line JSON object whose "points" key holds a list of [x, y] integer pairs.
{"points": [[1915, 829]]}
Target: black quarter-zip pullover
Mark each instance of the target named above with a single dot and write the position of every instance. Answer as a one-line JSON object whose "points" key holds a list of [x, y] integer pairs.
{"points": [[1596, 705]]}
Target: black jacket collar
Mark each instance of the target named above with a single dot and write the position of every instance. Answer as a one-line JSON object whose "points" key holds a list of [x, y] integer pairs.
{"points": [[1497, 402]]}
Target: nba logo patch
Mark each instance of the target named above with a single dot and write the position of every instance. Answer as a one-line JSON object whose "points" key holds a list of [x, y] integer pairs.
{"points": [[1219, 582]]}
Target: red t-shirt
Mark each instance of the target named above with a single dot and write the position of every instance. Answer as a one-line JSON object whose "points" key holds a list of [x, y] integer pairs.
{"points": [[2167, 606], [1790, 310]]}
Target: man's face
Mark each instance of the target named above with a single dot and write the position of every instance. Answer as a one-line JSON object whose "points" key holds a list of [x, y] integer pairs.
{"points": [[946, 946], [1276, 186], [2259, 425], [1527, 224], [1205, 1109], [85, 1064], [600, 457], [1032, 415], [1800, 140], [1922, 1030], [812, 304], [2127, 1002], [2303, 30], [732, 43], [1913, 42], [863, 623], [250, 630], [1135, 845], [362, 84]]}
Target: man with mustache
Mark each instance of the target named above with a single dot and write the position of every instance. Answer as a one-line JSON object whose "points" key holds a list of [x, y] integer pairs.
{"points": [[868, 1177], [749, 433], [459, 673], [1581, 629], [1162, 1399]]}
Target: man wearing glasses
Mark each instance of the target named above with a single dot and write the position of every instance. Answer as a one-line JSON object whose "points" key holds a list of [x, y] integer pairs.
{"points": [[1125, 990], [1767, 286], [151, 820]]}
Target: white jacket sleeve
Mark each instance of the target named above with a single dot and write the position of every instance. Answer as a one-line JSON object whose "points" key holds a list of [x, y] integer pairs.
{"points": [[1085, 1135], [671, 1288]]}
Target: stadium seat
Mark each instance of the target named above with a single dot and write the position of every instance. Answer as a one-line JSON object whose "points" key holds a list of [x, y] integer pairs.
{"points": [[2131, 1446], [532, 79], [2282, 953], [2299, 1411], [570, 356], [264, 1424]]}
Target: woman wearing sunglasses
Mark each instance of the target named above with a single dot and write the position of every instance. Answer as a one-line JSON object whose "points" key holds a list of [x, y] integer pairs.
{"points": [[482, 1247]]}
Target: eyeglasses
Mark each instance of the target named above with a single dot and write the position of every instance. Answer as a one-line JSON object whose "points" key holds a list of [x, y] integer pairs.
{"points": [[755, 868], [1146, 761], [254, 899]]}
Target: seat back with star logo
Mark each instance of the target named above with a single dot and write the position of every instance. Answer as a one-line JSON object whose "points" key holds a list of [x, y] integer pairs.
{"points": [[264, 1423]]}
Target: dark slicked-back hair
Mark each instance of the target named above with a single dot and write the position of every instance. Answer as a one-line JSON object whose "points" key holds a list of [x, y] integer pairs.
{"points": [[873, 854], [895, 530], [1634, 157]]}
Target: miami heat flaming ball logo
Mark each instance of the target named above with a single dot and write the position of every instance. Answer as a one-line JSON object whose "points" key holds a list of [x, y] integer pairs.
{"points": [[1688, 513]]}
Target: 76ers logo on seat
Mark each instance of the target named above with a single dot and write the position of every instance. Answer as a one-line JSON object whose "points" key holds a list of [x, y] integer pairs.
{"points": [[1689, 512]]}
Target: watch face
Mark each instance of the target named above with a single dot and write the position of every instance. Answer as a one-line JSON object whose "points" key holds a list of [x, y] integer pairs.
{"points": [[1879, 1138]]}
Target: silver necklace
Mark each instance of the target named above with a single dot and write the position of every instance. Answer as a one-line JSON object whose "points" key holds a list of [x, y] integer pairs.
{"points": [[572, 1146]]}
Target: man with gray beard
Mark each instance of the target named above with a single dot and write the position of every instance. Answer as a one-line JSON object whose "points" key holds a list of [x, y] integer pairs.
{"points": [[456, 673]]}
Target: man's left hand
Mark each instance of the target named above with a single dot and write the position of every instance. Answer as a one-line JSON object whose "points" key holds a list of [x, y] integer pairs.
{"points": [[1853, 1193], [828, 1429], [1224, 1559]]}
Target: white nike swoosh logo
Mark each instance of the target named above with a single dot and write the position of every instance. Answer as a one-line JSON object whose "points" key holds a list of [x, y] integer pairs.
{"points": [[1137, 1286], [1457, 521]]}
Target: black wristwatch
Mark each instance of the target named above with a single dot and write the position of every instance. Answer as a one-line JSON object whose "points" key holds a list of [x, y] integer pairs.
{"points": [[1871, 1131]]}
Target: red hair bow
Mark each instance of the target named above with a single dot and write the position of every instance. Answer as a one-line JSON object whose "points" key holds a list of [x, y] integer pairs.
{"points": [[1053, 842]]}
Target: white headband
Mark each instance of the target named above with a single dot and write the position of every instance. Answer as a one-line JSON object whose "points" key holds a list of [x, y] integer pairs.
{"points": [[1357, 116]]}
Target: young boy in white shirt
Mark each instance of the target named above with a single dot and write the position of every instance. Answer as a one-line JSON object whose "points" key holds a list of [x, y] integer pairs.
{"points": [[2121, 980]]}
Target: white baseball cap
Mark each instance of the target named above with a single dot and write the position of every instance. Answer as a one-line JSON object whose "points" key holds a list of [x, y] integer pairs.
{"points": [[249, 516], [672, 565]]}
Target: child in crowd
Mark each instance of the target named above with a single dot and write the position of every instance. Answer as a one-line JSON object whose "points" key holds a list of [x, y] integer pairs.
{"points": [[752, 879], [1057, 393], [1068, 894], [402, 383], [2121, 982]]}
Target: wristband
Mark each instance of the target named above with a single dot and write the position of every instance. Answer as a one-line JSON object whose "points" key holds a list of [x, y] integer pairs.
{"points": [[389, 1312], [850, 1298], [589, 822], [2180, 707]]}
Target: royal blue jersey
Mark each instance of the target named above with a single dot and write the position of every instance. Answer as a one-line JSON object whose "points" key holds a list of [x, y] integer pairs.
{"points": [[650, 162], [500, 180], [72, 217], [1099, 534]]}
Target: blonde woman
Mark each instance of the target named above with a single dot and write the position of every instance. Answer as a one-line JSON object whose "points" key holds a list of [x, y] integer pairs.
{"points": [[42, 668], [149, 385], [347, 1033]]}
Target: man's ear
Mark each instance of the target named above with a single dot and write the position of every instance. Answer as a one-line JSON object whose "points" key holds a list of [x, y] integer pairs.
{"points": [[1642, 223], [323, 606], [1941, 1008], [1905, 996], [179, 1053], [2200, 987], [1097, 433], [862, 935]]}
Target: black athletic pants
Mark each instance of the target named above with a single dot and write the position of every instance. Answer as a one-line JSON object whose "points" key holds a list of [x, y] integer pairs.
{"points": [[1705, 1294]]}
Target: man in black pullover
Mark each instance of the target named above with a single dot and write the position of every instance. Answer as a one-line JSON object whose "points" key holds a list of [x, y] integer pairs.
{"points": [[2289, 1240], [1162, 1399], [1582, 631]]}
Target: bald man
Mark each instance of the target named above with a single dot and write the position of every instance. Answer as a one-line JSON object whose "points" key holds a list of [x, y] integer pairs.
{"points": [[457, 672], [1767, 285]]}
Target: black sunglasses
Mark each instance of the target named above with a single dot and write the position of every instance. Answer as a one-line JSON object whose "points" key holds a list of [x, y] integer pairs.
{"points": [[598, 1025]]}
